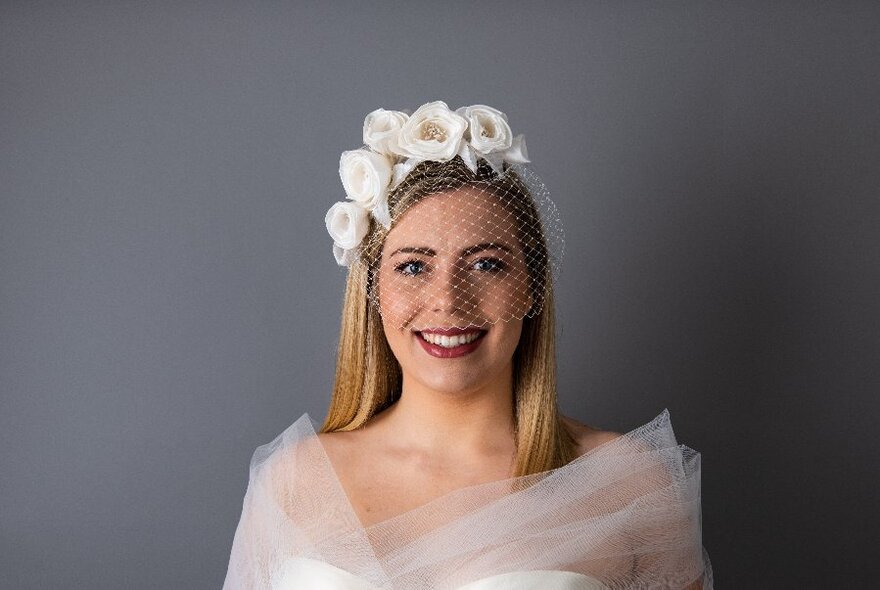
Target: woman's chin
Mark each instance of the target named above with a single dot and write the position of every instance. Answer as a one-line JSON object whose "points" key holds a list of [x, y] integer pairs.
{"points": [[452, 383]]}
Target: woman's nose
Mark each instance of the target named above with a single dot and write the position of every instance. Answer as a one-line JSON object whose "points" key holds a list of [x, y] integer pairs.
{"points": [[450, 290]]}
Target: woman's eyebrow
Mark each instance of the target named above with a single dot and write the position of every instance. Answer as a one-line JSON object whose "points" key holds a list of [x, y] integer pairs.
{"points": [[413, 250], [484, 246], [464, 253]]}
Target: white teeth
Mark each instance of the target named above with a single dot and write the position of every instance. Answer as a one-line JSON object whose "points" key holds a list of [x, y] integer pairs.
{"points": [[450, 341]]}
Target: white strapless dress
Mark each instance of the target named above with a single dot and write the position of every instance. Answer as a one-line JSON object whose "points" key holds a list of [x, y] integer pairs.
{"points": [[311, 574]]}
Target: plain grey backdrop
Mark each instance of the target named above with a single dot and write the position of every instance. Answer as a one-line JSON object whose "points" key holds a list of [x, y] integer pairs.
{"points": [[169, 300]]}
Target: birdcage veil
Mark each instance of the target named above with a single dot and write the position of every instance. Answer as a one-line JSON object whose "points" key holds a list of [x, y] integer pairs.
{"points": [[444, 212]]}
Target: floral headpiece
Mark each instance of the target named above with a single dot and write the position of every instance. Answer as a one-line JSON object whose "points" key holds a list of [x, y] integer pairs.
{"points": [[395, 143]]}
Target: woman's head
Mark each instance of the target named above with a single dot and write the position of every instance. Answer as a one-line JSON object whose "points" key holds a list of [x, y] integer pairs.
{"points": [[450, 280]]}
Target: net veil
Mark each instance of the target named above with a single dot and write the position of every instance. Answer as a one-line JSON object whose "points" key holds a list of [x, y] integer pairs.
{"points": [[624, 515], [475, 247], [445, 223]]}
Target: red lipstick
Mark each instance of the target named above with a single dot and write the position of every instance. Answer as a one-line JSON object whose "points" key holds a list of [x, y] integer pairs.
{"points": [[439, 351]]}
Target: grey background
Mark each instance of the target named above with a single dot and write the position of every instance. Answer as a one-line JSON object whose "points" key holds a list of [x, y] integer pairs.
{"points": [[169, 301]]}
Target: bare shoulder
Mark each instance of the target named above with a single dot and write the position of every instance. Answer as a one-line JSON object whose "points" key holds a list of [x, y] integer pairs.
{"points": [[334, 439], [341, 444], [588, 437], [654, 473]]}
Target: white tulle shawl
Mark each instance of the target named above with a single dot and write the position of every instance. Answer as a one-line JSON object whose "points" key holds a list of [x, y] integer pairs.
{"points": [[627, 514]]}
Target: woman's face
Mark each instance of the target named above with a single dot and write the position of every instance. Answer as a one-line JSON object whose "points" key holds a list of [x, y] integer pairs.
{"points": [[453, 288]]}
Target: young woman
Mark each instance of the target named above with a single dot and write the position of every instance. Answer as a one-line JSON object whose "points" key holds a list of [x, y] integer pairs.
{"points": [[444, 461]]}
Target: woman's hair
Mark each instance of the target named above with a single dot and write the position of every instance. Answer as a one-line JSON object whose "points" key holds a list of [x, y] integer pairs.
{"points": [[368, 376]]}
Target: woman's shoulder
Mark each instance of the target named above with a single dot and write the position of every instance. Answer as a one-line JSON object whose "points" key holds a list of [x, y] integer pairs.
{"points": [[586, 436], [346, 448], [341, 440]]}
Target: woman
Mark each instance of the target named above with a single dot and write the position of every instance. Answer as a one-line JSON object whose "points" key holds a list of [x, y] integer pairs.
{"points": [[443, 461]]}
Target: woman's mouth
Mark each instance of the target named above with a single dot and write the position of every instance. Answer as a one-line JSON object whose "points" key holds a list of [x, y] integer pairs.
{"points": [[450, 343]]}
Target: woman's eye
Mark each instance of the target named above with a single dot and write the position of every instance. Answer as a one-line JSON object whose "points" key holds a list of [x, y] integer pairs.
{"points": [[410, 267], [489, 264]]}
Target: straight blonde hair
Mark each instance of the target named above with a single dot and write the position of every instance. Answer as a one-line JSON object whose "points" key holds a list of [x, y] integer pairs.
{"points": [[369, 378]]}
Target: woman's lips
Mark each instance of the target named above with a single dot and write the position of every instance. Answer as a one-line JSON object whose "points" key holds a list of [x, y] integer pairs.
{"points": [[439, 351]]}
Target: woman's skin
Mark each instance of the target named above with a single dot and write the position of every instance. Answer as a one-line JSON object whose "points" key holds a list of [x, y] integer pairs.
{"points": [[453, 424]]}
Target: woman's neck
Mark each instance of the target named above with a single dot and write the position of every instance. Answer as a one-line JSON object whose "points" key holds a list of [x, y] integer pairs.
{"points": [[472, 422]]}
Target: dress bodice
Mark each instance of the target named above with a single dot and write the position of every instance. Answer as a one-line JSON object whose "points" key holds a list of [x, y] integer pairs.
{"points": [[302, 572]]}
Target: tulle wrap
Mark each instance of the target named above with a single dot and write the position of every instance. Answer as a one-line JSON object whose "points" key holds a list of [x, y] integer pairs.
{"points": [[624, 515]]}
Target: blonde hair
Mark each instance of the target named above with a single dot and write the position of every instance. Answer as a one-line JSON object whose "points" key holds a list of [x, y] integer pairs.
{"points": [[368, 376]]}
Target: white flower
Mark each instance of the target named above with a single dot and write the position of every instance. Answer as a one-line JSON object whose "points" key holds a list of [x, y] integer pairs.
{"points": [[468, 156], [401, 170], [488, 130], [433, 132], [343, 257], [382, 213], [517, 153], [347, 223], [381, 129], [365, 176]]}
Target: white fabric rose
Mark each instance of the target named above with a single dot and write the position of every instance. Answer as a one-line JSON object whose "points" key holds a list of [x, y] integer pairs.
{"points": [[488, 130], [382, 213], [401, 170], [517, 153], [365, 176], [433, 132], [347, 223], [468, 156], [343, 257], [381, 129]]}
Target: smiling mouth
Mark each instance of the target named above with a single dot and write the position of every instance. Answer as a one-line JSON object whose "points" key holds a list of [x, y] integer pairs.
{"points": [[451, 338]]}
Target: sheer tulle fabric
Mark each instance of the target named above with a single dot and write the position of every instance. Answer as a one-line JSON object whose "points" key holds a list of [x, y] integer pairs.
{"points": [[624, 515]]}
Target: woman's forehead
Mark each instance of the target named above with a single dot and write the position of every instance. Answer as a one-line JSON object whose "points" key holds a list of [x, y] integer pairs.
{"points": [[453, 218]]}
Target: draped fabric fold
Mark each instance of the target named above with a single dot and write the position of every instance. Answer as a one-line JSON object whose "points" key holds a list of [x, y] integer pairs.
{"points": [[626, 514]]}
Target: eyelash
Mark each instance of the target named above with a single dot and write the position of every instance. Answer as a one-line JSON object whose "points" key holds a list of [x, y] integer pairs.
{"points": [[497, 265], [401, 267]]}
